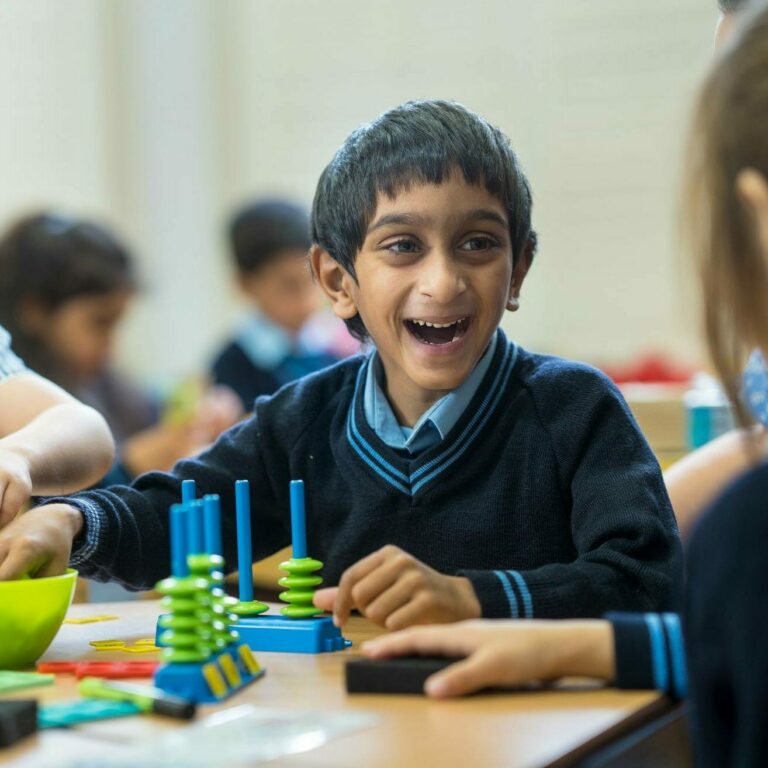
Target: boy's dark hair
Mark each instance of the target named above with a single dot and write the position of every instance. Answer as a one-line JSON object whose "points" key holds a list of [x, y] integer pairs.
{"points": [[260, 231], [417, 142]]}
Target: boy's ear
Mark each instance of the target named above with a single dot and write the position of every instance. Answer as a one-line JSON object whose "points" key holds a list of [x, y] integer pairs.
{"points": [[522, 266], [752, 190], [337, 284]]}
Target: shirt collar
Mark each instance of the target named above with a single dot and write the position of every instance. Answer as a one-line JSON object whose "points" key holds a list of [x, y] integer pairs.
{"points": [[265, 343], [435, 423]]}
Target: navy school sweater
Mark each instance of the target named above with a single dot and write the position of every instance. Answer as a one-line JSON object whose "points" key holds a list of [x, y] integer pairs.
{"points": [[544, 494]]}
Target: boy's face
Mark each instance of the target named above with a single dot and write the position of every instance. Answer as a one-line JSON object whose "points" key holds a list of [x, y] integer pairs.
{"points": [[283, 290], [434, 255]]}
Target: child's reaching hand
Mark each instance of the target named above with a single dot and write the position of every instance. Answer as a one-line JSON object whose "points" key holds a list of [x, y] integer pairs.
{"points": [[504, 653], [395, 590], [39, 542]]}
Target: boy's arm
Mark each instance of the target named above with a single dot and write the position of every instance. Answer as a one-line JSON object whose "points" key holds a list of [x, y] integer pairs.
{"points": [[49, 443], [125, 535], [628, 552], [632, 650]]}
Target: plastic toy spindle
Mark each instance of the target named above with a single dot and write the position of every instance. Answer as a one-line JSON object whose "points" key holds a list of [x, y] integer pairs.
{"points": [[187, 626], [300, 582], [212, 524], [179, 567], [211, 566], [246, 606], [188, 491], [194, 527]]}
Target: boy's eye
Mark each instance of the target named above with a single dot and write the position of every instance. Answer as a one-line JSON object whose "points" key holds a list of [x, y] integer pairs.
{"points": [[404, 245], [478, 243]]}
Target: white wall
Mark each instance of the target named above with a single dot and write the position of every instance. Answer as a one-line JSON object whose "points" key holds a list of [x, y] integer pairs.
{"points": [[162, 115]]}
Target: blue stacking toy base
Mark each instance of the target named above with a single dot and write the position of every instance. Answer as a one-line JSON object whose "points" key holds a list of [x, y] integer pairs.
{"points": [[284, 635], [279, 634], [212, 680]]}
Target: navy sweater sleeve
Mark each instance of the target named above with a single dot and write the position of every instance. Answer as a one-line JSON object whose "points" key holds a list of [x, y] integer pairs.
{"points": [[726, 615], [628, 554], [126, 533]]}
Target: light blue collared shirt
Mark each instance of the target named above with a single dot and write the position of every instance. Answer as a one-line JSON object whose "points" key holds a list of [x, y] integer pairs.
{"points": [[265, 343], [435, 423]]}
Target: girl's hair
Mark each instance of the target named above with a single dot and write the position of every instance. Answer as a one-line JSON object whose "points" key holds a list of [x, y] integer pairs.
{"points": [[51, 259], [730, 134]]}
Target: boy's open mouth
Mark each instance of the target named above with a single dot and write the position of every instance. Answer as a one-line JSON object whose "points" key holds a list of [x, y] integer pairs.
{"points": [[437, 333]]}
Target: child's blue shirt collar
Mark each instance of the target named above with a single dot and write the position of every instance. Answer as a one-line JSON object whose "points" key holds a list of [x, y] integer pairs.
{"points": [[265, 343], [435, 423]]}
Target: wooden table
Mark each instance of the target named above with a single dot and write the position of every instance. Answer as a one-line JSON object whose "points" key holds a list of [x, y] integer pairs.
{"points": [[525, 729]]}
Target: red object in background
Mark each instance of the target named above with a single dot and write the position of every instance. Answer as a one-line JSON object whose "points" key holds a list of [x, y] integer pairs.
{"points": [[650, 369], [114, 670]]}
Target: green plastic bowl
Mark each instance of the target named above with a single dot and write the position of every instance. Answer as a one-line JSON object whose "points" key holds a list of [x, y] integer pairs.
{"points": [[31, 612]]}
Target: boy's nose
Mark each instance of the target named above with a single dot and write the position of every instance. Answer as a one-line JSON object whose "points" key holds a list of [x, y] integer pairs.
{"points": [[442, 280]]}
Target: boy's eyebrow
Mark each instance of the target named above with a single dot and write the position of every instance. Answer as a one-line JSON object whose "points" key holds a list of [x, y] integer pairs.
{"points": [[411, 219], [397, 218]]}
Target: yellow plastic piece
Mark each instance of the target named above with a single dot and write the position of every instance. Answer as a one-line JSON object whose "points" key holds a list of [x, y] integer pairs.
{"points": [[108, 645], [145, 645], [90, 619], [31, 614], [214, 679], [249, 659], [226, 662], [140, 649]]}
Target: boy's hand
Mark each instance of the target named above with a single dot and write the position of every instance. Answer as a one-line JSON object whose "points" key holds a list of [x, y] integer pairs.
{"points": [[395, 590], [39, 542], [15, 484], [504, 653]]}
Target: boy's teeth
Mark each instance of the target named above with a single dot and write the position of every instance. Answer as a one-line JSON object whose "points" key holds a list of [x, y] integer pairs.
{"points": [[435, 325]]}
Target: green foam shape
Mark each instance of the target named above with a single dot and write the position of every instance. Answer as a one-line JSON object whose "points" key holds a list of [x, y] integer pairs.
{"points": [[15, 681]]}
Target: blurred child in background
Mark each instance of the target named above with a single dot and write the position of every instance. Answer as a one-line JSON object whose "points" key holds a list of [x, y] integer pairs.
{"points": [[65, 285], [283, 336]]}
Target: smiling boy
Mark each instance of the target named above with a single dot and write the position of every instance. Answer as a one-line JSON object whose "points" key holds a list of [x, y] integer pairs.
{"points": [[450, 473]]}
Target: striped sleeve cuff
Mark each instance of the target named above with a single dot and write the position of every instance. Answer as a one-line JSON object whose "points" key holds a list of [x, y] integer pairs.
{"points": [[649, 652], [502, 594], [87, 541]]}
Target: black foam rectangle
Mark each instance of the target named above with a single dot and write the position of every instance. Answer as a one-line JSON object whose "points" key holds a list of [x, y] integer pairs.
{"points": [[404, 674], [18, 718]]}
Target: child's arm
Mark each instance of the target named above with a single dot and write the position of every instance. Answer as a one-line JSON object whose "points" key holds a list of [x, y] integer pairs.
{"points": [[626, 549], [631, 650], [696, 480], [123, 533], [504, 654], [49, 443]]}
